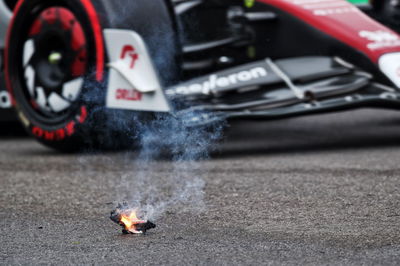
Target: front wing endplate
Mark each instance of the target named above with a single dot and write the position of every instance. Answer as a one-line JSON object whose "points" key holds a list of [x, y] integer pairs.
{"points": [[133, 81]]}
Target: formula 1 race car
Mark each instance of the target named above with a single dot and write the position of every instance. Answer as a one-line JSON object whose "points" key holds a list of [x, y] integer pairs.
{"points": [[77, 69]]}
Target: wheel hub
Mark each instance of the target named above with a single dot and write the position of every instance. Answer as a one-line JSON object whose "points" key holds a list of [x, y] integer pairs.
{"points": [[54, 60]]}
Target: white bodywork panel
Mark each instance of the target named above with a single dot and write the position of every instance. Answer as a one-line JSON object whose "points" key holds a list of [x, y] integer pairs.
{"points": [[5, 17], [390, 66], [133, 81]]}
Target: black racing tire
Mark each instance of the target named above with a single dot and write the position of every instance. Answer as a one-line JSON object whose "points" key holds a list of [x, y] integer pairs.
{"points": [[68, 46]]}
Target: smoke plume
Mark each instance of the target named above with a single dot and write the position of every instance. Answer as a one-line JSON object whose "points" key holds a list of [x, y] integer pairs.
{"points": [[165, 164], [179, 148]]}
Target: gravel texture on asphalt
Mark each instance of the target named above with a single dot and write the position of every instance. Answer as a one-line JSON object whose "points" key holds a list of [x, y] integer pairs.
{"points": [[311, 190]]}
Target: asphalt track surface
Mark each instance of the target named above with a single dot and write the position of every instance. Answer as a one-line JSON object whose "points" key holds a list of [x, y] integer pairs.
{"points": [[312, 190]]}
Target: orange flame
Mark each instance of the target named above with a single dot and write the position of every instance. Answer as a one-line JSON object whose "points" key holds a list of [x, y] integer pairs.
{"points": [[129, 219]]}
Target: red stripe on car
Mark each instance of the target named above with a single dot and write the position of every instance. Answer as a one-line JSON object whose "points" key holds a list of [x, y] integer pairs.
{"points": [[341, 20]]}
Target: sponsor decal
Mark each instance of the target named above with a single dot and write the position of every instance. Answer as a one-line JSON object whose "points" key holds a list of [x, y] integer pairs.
{"points": [[215, 81], [334, 11], [59, 134], [380, 39], [128, 51], [326, 7], [5, 100], [62, 133], [128, 95]]}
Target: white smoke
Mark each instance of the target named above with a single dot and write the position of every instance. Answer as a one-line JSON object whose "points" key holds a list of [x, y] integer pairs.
{"points": [[166, 170], [167, 173]]}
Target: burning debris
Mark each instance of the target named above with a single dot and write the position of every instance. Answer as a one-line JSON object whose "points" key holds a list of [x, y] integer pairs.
{"points": [[128, 219]]}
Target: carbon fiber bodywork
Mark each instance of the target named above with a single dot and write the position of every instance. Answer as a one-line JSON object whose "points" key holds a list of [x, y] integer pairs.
{"points": [[239, 54]]}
